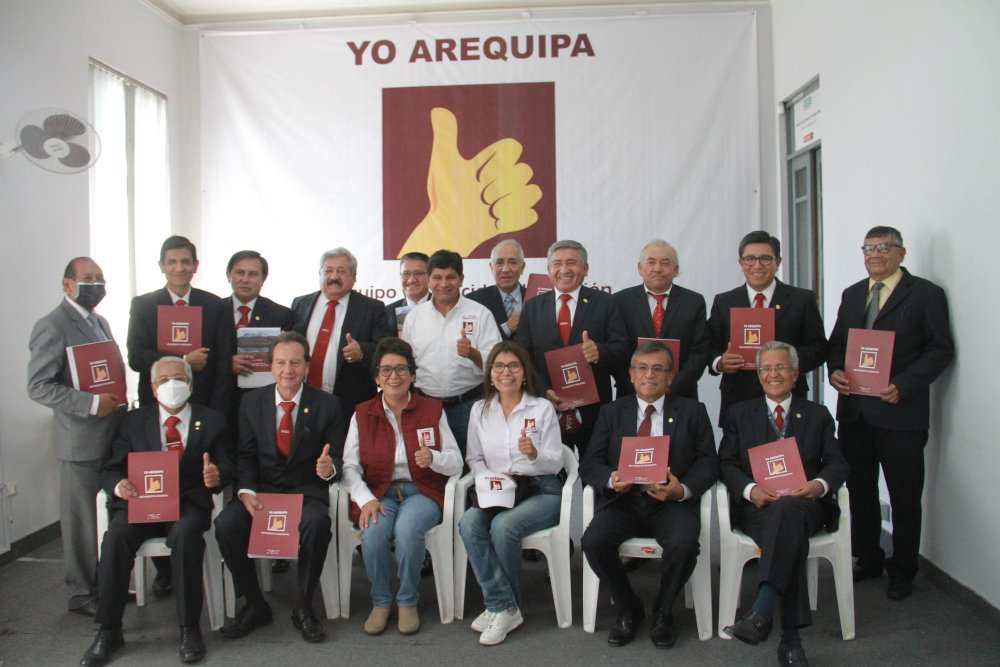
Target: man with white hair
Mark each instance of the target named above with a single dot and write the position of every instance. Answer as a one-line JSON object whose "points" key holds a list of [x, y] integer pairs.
{"points": [[505, 297]]}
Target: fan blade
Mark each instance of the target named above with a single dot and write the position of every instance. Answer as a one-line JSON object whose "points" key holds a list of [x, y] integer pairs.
{"points": [[78, 157], [33, 141], [64, 126]]}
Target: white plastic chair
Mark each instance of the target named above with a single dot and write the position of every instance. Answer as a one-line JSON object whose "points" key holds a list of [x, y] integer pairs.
{"points": [[737, 548], [553, 542], [157, 546], [439, 542], [328, 583], [697, 590]]}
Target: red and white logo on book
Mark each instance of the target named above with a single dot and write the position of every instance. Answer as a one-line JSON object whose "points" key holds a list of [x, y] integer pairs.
{"points": [[571, 374], [776, 466], [100, 372], [277, 522], [179, 333], [751, 334], [868, 358], [644, 457], [153, 483]]}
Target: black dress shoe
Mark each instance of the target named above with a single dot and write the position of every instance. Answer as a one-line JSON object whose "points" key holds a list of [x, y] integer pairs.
{"points": [[192, 644], [307, 623], [280, 565], [623, 631], [792, 657], [900, 588], [663, 634], [752, 629], [105, 643], [247, 620], [162, 586], [87, 609]]}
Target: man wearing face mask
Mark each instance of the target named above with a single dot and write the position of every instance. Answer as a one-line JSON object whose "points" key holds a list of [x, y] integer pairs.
{"points": [[84, 423], [200, 436]]}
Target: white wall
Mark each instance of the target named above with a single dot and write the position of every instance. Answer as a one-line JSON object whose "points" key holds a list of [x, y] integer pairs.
{"points": [[909, 104], [44, 217]]}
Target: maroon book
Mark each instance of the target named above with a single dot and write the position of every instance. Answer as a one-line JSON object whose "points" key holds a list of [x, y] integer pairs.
{"points": [[571, 377], [749, 329], [97, 368], [868, 360], [644, 460], [673, 344], [178, 329], [155, 477], [538, 283], [275, 529], [778, 466]]}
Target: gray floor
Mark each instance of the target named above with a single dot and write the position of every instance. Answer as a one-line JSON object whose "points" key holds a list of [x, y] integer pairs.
{"points": [[930, 628]]}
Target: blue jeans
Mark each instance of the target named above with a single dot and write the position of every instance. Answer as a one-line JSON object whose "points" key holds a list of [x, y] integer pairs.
{"points": [[408, 515], [457, 415], [493, 541]]}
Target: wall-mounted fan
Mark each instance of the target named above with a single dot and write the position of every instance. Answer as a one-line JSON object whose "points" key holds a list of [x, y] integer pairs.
{"points": [[55, 140]]}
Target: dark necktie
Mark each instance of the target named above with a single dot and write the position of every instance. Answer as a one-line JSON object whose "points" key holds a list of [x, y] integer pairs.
{"points": [[508, 304], [322, 343], [646, 425], [872, 311], [565, 323], [657, 312], [285, 430], [758, 300], [244, 317], [173, 436]]}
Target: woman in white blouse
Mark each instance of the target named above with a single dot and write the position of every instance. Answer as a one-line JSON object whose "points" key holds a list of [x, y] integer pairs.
{"points": [[514, 430]]}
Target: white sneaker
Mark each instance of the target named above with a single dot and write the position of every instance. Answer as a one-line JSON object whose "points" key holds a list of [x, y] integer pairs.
{"points": [[483, 621], [502, 624]]}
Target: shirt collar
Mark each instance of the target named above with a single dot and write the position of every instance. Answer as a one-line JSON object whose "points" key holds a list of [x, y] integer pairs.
{"points": [[889, 283], [575, 294], [184, 414], [174, 298], [77, 307], [649, 291], [785, 404], [657, 404], [237, 303], [422, 299], [768, 292], [278, 400]]}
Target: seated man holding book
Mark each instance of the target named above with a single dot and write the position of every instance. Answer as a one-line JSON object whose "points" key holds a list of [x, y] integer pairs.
{"points": [[781, 517]]}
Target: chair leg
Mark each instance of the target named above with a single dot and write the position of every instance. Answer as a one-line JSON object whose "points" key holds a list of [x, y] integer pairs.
{"points": [[730, 580], [700, 589], [812, 580], [329, 582], [444, 579], [139, 576], [562, 594], [591, 585], [345, 561], [843, 579], [461, 574]]}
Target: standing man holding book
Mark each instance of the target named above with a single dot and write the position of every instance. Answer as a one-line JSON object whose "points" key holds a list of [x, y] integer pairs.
{"points": [[84, 423]]}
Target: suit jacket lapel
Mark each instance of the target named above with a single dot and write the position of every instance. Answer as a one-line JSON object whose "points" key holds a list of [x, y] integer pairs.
{"points": [[550, 326], [580, 317], [81, 324], [153, 442], [763, 431], [779, 300], [900, 294], [301, 422], [193, 444]]}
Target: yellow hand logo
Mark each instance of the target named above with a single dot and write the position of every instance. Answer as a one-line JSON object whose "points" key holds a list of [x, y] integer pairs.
{"points": [[472, 201]]}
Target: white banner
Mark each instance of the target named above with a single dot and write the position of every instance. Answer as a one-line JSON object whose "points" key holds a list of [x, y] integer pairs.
{"points": [[631, 128]]}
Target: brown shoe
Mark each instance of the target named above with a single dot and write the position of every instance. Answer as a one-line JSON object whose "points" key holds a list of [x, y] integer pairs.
{"points": [[409, 621], [377, 620]]}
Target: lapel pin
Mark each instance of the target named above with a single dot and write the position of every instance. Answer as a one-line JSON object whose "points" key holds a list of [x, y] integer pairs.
{"points": [[777, 306], [197, 425], [585, 300], [798, 415], [256, 317], [305, 410], [670, 420]]}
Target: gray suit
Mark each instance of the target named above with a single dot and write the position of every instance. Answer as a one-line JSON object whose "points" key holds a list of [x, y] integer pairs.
{"points": [[80, 441]]}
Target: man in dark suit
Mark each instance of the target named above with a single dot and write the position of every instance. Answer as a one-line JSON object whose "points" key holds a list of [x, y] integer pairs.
{"points": [[84, 423], [660, 309], [200, 437], [505, 298], [413, 278], [796, 321], [246, 271], [342, 327], [572, 314], [890, 429], [669, 512], [179, 263], [781, 525], [299, 452]]}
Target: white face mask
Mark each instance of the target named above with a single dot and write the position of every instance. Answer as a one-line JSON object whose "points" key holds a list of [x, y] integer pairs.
{"points": [[173, 394]]}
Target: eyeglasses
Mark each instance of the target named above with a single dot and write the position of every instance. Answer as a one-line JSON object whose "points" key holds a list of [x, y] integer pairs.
{"points": [[750, 260], [643, 369], [406, 275], [513, 367], [780, 368], [401, 371], [881, 248]]}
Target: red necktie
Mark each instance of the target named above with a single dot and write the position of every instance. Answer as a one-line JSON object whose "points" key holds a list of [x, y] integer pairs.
{"points": [[285, 430], [657, 312], [315, 377], [565, 323], [181, 302], [646, 426], [244, 317], [779, 418], [758, 300], [173, 436]]}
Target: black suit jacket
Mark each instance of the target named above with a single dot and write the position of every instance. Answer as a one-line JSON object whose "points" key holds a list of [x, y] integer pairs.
{"points": [[142, 348], [319, 422], [917, 310], [683, 319], [796, 321], [365, 321], [692, 446], [265, 313], [747, 425], [491, 298], [208, 433]]}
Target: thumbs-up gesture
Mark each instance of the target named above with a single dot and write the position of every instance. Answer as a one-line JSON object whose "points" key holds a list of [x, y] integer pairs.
{"points": [[472, 201], [464, 346], [423, 457], [730, 362], [209, 472], [526, 447], [590, 351], [352, 351], [324, 464]]}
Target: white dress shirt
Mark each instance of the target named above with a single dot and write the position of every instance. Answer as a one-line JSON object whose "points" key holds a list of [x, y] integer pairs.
{"points": [[492, 443], [332, 359], [237, 315]]}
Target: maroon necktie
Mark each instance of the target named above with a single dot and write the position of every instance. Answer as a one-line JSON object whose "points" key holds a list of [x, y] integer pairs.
{"points": [[173, 436], [285, 430], [315, 377], [181, 302], [646, 425], [244, 317], [657, 312], [565, 323], [758, 300], [779, 418]]}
